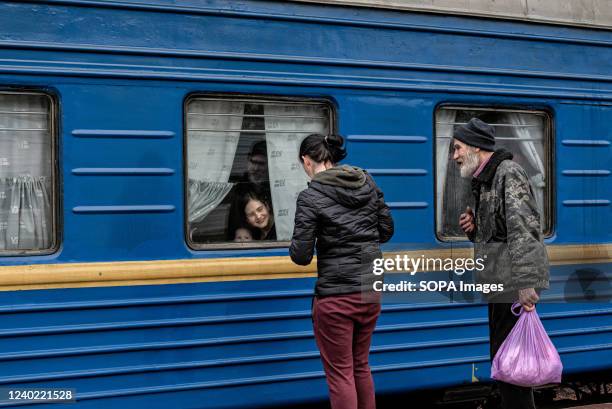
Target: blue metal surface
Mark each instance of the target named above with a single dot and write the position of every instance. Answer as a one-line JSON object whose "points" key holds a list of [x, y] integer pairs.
{"points": [[241, 338], [121, 73]]}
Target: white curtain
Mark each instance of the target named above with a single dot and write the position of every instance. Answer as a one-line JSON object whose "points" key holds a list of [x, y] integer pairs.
{"points": [[286, 127], [529, 150], [25, 172], [213, 131], [444, 133]]}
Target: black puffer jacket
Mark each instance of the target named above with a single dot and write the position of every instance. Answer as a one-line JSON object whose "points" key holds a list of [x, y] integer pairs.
{"points": [[344, 212]]}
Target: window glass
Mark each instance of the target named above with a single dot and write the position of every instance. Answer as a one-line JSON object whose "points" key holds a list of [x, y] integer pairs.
{"points": [[243, 171], [26, 173], [524, 133]]}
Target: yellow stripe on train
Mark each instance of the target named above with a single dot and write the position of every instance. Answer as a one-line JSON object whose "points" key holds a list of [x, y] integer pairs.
{"points": [[151, 272]]}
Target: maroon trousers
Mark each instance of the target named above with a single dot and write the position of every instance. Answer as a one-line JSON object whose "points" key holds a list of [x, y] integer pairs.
{"points": [[343, 327]]}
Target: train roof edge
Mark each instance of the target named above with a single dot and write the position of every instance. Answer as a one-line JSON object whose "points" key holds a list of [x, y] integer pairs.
{"points": [[587, 13]]}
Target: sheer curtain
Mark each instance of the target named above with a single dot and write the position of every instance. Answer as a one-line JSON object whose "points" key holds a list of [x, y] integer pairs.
{"points": [[213, 131], [286, 127], [444, 133], [529, 135], [26, 214]]}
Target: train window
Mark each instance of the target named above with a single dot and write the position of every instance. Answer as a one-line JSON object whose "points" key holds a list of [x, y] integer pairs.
{"points": [[26, 173], [243, 171], [524, 133]]}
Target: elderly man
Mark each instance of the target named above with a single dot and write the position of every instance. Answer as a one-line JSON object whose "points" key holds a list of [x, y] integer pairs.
{"points": [[505, 230]]}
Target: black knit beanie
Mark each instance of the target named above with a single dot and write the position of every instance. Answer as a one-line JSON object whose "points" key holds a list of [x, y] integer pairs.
{"points": [[476, 133]]}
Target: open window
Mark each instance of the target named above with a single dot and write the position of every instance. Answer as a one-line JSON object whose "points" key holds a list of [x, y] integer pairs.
{"points": [[27, 200], [243, 170], [525, 133]]}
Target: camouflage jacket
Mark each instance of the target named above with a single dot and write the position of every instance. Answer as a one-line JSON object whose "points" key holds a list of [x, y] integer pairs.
{"points": [[508, 235]]}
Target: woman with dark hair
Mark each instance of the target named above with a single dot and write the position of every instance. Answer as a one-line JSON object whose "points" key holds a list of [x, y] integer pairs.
{"points": [[343, 214], [255, 180], [257, 214]]}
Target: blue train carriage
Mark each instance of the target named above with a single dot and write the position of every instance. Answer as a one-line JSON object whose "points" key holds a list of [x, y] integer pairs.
{"points": [[129, 128]]}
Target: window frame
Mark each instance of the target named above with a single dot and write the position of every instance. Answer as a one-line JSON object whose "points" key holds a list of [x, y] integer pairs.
{"points": [[247, 98], [53, 121], [548, 149]]}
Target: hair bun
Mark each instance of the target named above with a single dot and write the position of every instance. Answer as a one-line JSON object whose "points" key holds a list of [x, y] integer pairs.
{"points": [[335, 140], [335, 143]]}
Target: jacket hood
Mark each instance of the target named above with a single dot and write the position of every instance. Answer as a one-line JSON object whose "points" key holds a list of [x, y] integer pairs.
{"points": [[486, 176], [345, 184], [347, 176]]}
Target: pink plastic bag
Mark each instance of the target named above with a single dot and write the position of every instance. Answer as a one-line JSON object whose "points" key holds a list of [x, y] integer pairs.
{"points": [[527, 357]]}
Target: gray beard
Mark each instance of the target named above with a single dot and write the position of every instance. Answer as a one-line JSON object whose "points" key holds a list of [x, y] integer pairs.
{"points": [[469, 166]]}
